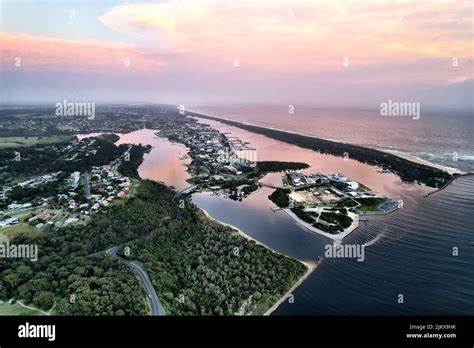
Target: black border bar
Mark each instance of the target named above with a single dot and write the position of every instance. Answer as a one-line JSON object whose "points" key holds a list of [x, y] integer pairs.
{"points": [[274, 330]]}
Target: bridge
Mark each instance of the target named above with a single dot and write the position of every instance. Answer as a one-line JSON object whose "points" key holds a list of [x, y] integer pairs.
{"points": [[184, 191], [264, 184]]}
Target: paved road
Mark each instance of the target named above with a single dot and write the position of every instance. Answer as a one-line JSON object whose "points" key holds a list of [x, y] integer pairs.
{"points": [[113, 251], [178, 194], [155, 305], [184, 191], [139, 269]]}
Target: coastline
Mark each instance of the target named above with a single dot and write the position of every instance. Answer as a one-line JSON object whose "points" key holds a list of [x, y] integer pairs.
{"points": [[403, 155], [447, 184], [293, 288], [308, 264], [415, 159], [311, 266], [336, 237]]}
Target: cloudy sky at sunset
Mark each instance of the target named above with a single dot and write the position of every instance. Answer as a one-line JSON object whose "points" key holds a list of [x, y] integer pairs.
{"points": [[342, 53]]}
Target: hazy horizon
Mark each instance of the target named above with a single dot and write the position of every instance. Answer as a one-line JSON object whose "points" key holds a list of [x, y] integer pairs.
{"points": [[321, 53]]}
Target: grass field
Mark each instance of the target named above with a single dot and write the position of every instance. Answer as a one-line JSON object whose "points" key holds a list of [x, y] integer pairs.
{"points": [[15, 309], [12, 142], [16, 230], [65, 127], [369, 204]]}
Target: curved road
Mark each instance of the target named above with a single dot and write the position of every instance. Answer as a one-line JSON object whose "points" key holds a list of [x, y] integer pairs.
{"points": [[140, 271]]}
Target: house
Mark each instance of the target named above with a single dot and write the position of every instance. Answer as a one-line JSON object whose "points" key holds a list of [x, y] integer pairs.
{"points": [[46, 216], [70, 221], [8, 222], [353, 185], [230, 169], [296, 179]]}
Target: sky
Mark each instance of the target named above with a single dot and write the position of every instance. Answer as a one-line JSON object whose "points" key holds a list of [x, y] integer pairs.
{"points": [[321, 52]]}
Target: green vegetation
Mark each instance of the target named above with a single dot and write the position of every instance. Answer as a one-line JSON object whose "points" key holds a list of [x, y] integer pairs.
{"points": [[407, 170], [327, 228], [110, 137], [346, 203], [200, 267], [265, 167], [196, 265], [248, 188], [129, 168], [16, 309], [18, 230], [369, 203], [41, 159], [72, 262], [215, 269], [28, 194], [13, 142], [339, 221], [280, 197], [304, 215]]}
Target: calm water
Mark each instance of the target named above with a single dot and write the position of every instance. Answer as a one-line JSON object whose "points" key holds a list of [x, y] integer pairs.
{"points": [[255, 217], [412, 255], [163, 163], [434, 137], [273, 150]]}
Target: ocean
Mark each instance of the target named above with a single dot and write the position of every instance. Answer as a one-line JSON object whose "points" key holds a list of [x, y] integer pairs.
{"points": [[441, 137], [422, 252]]}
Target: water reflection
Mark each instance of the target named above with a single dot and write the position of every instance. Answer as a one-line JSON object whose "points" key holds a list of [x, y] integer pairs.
{"points": [[273, 150], [412, 256], [255, 217], [163, 162]]}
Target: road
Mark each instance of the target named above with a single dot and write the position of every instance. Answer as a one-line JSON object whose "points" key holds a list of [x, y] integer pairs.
{"points": [[155, 305], [139, 269], [178, 194], [184, 191], [113, 251]]}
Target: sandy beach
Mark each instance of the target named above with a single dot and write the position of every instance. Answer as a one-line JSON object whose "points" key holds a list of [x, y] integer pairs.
{"points": [[311, 268], [415, 159], [240, 232], [407, 156]]}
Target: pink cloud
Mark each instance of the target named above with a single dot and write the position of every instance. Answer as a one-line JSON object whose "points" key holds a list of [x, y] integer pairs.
{"points": [[300, 36], [37, 53]]}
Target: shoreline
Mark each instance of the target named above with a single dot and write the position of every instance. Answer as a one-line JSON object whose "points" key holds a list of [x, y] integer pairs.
{"points": [[311, 266], [403, 155], [335, 237], [293, 288], [447, 184], [308, 264], [416, 159]]}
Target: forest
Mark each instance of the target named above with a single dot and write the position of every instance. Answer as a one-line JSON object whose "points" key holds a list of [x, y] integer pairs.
{"points": [[280, 197], [198, 267], [265, 167], [48, 158]]}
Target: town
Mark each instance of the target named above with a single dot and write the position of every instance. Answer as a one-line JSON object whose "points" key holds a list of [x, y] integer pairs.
{"points": [[219, 163], [326, 204], [61, 198]]}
